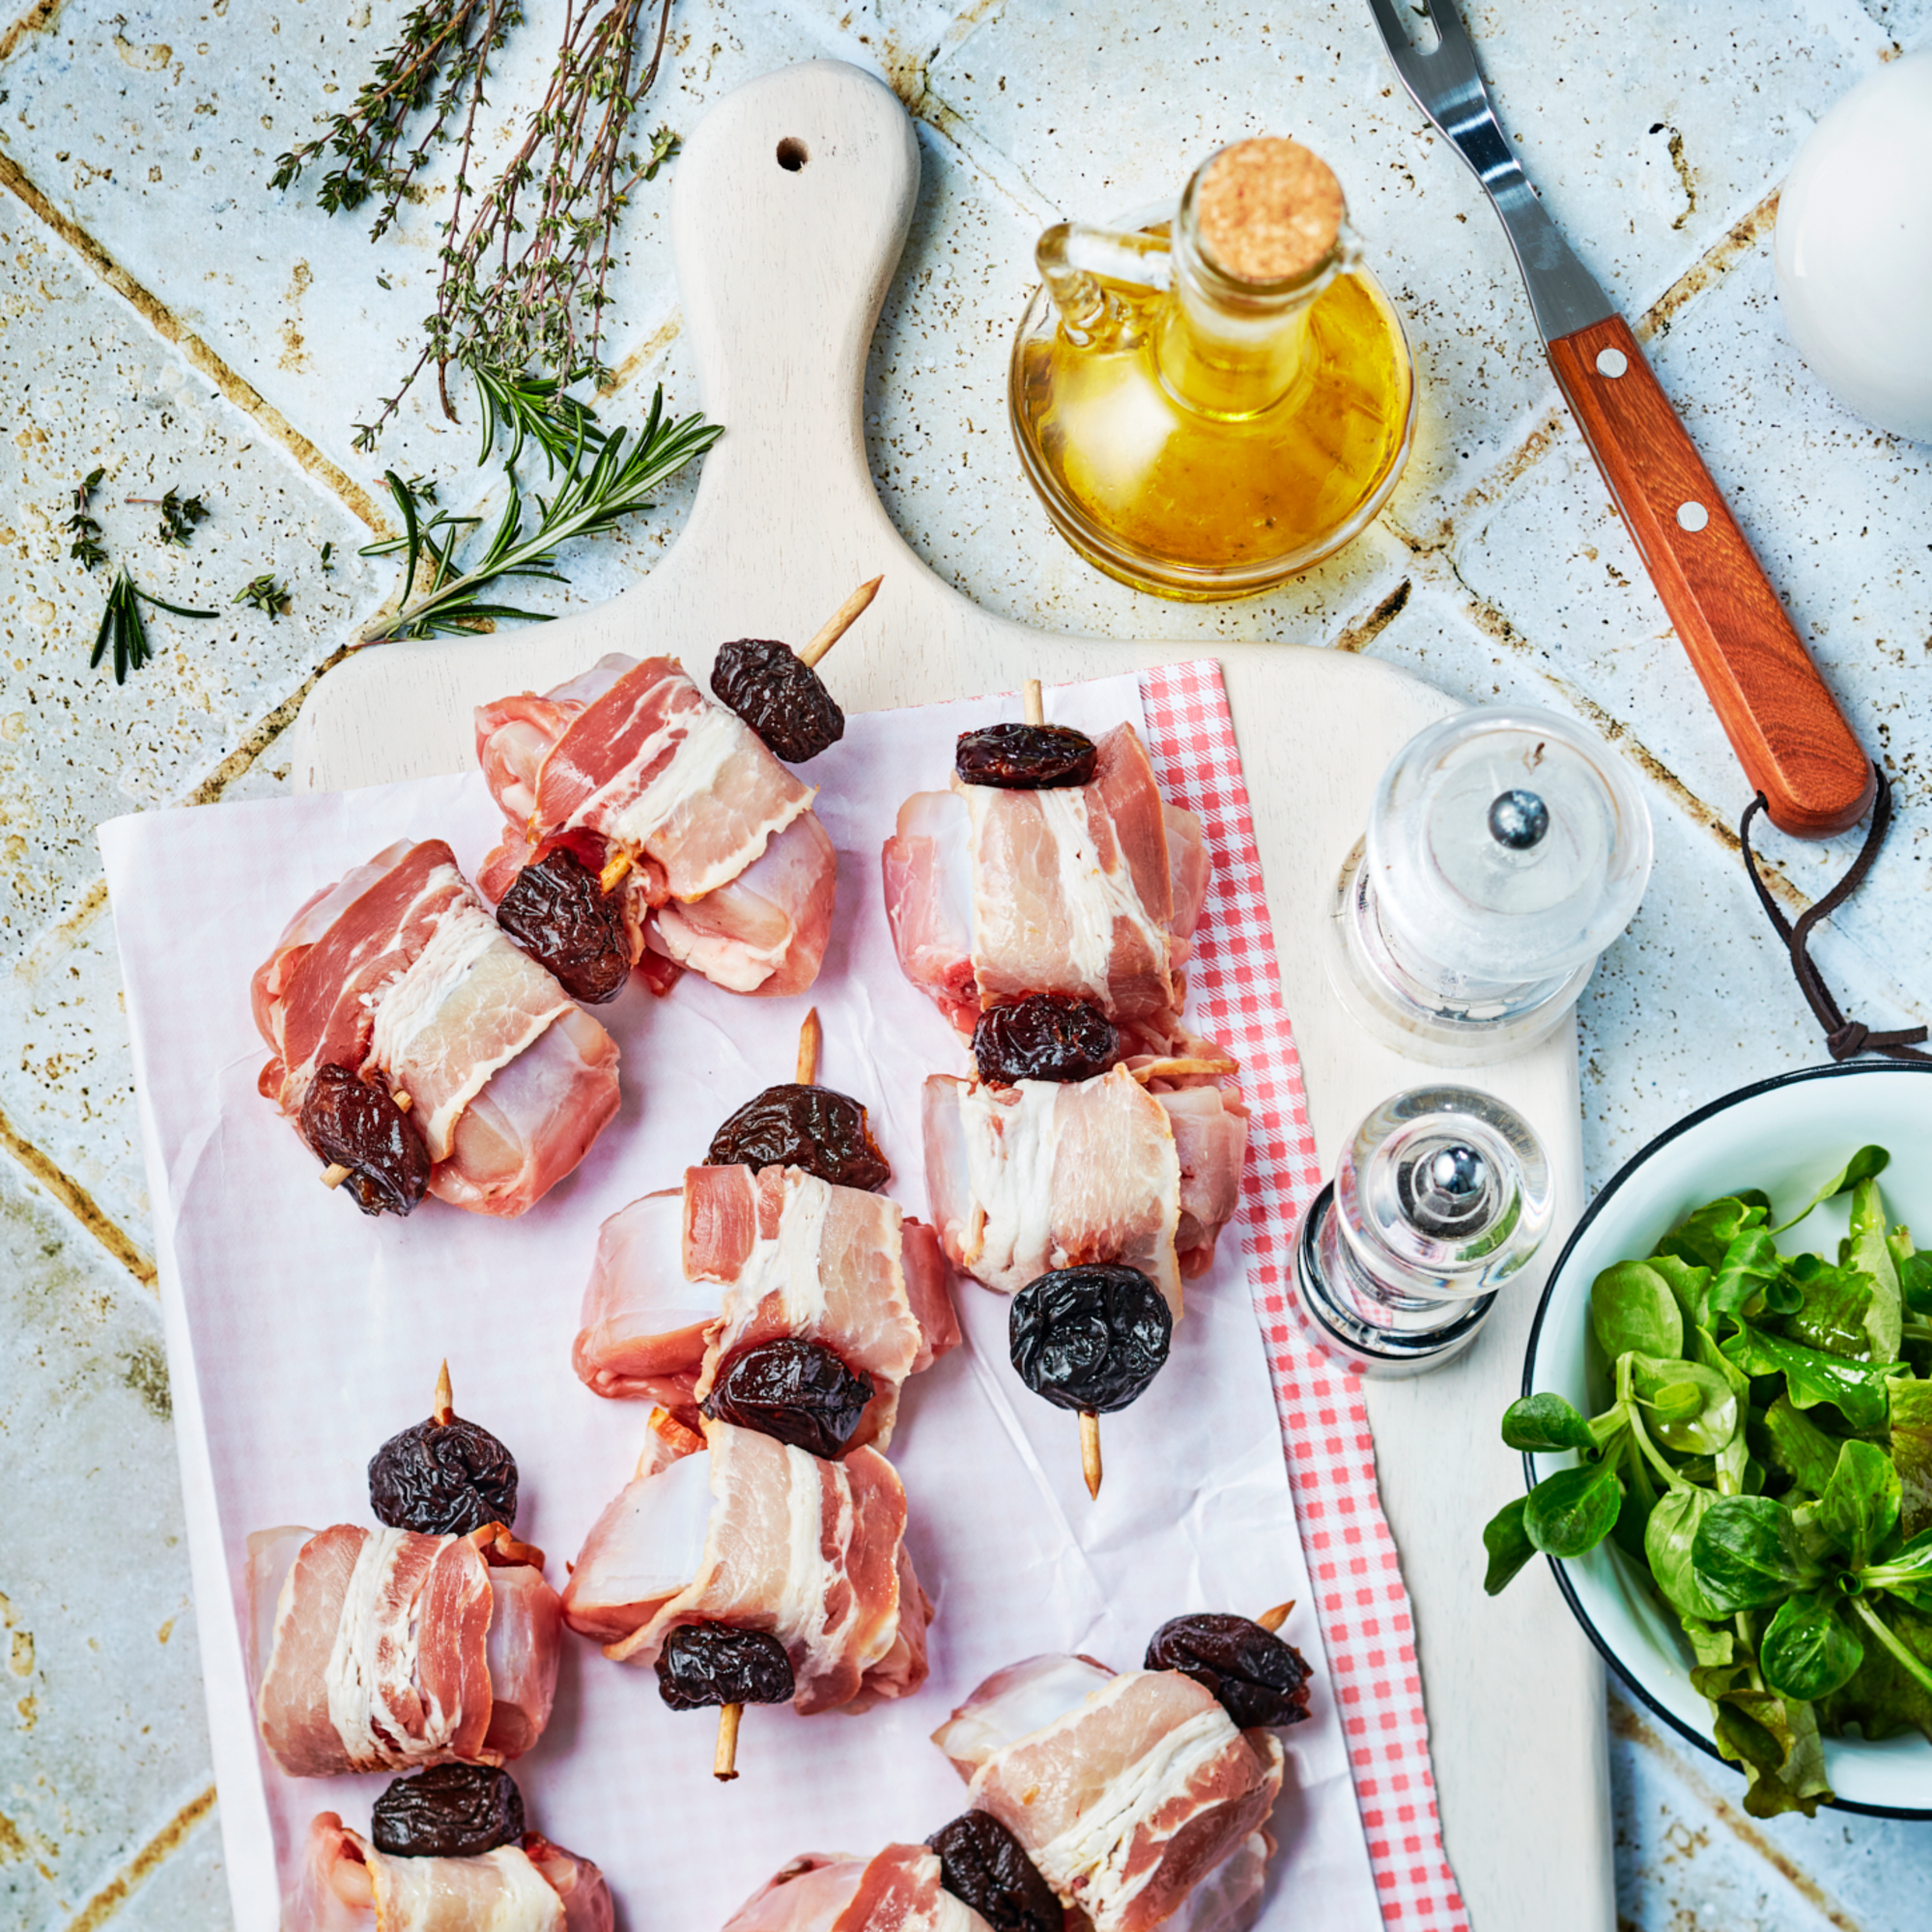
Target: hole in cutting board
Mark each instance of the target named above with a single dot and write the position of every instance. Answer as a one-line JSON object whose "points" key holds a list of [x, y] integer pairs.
{"points": [[792, 155]]}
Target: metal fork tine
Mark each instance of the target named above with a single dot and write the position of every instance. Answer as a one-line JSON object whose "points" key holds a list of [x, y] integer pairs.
{"points": [[1458, 55], [1401, 50]]}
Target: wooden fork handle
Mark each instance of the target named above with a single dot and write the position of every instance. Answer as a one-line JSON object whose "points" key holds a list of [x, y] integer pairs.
{"points": [[1782, 722]]}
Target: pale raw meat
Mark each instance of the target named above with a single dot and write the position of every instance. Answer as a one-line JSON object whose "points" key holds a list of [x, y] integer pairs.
{"points": [[1092, 890], [399, 971], [898, 1892], [1209, 1124], [380, 1652], [1038, 1176], [348, 1886], [643, 1321], [811, 1551], [1128, 1798], [682, 1280], [733, 877]]}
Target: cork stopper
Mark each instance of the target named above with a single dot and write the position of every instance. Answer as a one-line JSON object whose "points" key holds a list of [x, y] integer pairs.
{"points": [[1268, 211]]}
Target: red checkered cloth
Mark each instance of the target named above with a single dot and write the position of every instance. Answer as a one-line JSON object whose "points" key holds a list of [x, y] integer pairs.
{"points": [[1364, 1605]]}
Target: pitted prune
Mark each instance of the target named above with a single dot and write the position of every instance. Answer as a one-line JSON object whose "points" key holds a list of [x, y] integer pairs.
{"points": [[356, 1123], [781, 697], [1044, 1036], [808, 1126], [719, 1664], [1258, 1679], [449, 1811], [559, 915], [796, 1391], [444, 1479], [1025, 758], [984, 1864], [1090, 1338]]}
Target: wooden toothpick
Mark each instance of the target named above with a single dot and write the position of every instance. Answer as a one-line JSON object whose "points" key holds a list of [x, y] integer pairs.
{"points": [[724, 1760], [811, 1036], [1170, 1069], [614, 869], [1272, 1620], [1090, 1451], [442, 1405], [1030, 698], [839, 622]]}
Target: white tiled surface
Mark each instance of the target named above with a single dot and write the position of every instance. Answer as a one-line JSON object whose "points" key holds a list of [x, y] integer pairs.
{"points": [[162, 314]]}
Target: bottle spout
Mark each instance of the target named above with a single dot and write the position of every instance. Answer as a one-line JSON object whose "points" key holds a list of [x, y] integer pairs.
{"points": [[1078, 262]]}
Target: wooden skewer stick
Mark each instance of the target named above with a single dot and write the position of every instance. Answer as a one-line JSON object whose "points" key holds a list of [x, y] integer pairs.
{"points": [[1090, 1451], [811, 1036], [724, 1760], [1029, 698], [335, 1174], [839, 622], [1171, 1070], [1272, 1620], [443, 1405], [615, 869]]}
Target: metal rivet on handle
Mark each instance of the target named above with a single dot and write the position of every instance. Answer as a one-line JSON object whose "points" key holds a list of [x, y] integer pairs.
{"points": [[1611, 363], [1692, 516]]}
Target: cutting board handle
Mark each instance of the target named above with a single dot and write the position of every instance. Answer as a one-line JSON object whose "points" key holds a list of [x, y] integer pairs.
{"points": [[789, 210]]}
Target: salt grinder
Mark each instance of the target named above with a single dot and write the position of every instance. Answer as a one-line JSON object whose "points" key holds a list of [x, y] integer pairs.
{"points": [[1505, 849], [1439, 1198]]}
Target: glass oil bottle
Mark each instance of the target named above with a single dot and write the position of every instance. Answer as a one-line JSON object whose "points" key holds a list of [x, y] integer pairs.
{"points": [[1210, 405]]}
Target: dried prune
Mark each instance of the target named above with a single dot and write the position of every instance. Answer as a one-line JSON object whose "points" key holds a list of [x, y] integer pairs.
{"points": [[796, 1391], [1090, 1338], [1044, 1036], [1025, 758], [796, 1125], [356, 1123], [779, 696], [444, 1479], [449, 1811], [1258, 1679], [719, 1664], [984, 1864], [559, 915]]}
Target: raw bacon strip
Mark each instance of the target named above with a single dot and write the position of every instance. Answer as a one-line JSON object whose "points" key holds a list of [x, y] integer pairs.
{"points": [[1092, 890], [1129, 1795], [398, 970], [897, 1891], [825, 1267], [1041, 1175], [682, 1280], [381, 1653], [348, 1886], [811, 1551], [732, 875]]}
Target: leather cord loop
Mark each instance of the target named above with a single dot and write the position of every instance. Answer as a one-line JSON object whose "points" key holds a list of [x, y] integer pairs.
{"points": [[1845, 1039]]}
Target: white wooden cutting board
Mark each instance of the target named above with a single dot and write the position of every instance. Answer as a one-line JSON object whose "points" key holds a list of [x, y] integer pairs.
{"points": [[782, 273]]}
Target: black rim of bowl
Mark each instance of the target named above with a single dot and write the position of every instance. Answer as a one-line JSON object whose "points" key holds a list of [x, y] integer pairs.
{"points": [[1707, 1744]]}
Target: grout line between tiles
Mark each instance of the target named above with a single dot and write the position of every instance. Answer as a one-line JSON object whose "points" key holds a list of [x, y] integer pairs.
{"points": [[142, 1867], [77, 1202], [1625, 1723], [38, 18], [1360, 633], [232, 384]]}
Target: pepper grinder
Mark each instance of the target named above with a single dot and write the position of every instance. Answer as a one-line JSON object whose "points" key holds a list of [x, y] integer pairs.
{"points": [[1441, 1195], [1505, 849]]}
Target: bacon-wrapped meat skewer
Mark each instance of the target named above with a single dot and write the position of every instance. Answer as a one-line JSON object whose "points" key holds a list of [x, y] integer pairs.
{"points": [[446, 1852], [417, 1050], [766, 1293], [434, 1639], [737, 1531], [650, 826]]}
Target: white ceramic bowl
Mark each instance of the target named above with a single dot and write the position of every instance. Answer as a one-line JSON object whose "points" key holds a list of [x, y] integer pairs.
{"points": [[1784, 1136]]}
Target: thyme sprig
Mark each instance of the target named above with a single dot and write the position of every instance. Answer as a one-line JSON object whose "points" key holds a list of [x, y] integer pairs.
{"points": [[179, 516], [85, 531], [603, 482], [264, 594], [122, 628], [521, 293]]}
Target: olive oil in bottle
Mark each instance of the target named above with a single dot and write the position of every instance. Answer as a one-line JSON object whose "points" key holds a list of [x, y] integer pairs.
{"points": [[1210, 407]]}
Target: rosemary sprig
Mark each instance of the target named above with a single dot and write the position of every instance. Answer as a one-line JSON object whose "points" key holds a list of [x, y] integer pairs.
{"points": [[86, 546], [121, 627], [264, 594], [597, 490], [536, 408]]}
